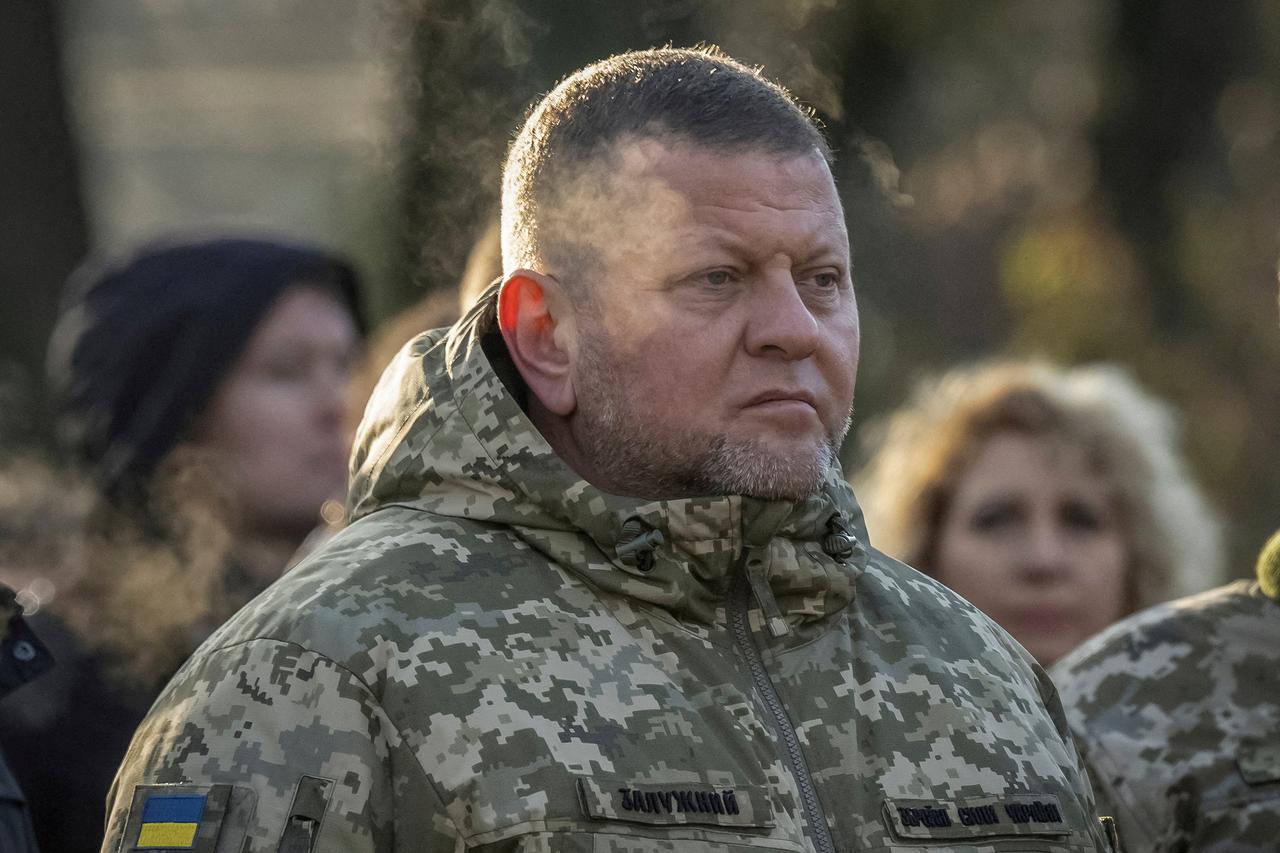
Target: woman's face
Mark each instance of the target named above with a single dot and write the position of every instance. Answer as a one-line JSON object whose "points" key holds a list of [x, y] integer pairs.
{"points": [[1032, 538], [277, 419]]}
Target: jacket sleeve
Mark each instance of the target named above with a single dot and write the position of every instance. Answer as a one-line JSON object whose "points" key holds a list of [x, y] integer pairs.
{"points": [[270, 738], [1079, 770]]}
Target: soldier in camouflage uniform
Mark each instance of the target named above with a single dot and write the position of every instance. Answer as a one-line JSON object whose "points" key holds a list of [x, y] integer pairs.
{"points": [[1177, 711], [570, 615]]}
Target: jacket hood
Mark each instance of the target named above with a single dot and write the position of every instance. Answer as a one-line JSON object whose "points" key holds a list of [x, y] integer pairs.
{"points": [[445, 434]]}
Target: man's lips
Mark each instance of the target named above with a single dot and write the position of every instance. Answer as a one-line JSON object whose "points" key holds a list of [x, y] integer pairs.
{"points": [[782, 397]]}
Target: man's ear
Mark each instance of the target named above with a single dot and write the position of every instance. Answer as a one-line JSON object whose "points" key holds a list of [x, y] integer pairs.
{"points": [[537, 324]]}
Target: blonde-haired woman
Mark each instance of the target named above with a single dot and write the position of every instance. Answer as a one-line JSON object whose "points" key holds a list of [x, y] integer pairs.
{"points": [[1053, 499]]}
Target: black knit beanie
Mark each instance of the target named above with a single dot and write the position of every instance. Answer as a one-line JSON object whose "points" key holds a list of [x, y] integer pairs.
{"points": [[141, 344]]}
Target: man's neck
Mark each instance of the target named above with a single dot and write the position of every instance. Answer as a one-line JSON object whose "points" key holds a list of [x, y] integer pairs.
{"points": [[559, 434]]}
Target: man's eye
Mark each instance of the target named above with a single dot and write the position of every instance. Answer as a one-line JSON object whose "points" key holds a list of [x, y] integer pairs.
{"points": [[827, 280], [718, 278]]}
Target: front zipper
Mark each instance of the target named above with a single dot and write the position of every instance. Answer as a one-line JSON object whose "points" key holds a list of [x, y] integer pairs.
{"points": [[740, 601]]}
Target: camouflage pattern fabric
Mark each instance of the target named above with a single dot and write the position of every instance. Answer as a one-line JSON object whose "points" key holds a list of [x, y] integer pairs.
{"points": [[481, 662], [1177, 713]]}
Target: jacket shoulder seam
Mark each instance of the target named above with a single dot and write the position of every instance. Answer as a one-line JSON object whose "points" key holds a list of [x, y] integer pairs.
{"points": [[373, 697]]}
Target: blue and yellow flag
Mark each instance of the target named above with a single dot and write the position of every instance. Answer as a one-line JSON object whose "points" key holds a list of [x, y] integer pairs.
{"points": [[170, 821]]}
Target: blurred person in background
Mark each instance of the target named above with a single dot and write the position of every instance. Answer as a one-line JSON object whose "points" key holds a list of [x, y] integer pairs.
{"points": [[201, 387], [1053, 499], [22, 658], [42, 514], [1176, 712]]}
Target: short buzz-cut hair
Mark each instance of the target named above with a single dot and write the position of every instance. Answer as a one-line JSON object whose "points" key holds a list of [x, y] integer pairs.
{"points": [[693, 95]]}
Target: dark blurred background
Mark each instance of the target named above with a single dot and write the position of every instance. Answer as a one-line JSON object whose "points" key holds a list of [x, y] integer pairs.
{"points": [[1082, 180]]}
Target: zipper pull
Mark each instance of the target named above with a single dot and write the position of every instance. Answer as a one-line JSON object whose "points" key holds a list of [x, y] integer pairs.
{"points": [[758, 577]]}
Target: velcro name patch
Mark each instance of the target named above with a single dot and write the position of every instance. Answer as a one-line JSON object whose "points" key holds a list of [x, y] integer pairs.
{"points": [[1032, 814], [676, 803]]}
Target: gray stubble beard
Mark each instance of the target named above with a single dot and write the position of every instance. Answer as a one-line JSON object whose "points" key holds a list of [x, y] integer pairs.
{"points": [[624, 446]]}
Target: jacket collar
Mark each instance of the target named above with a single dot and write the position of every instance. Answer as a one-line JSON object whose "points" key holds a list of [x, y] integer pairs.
{"points": [[467, 449]]}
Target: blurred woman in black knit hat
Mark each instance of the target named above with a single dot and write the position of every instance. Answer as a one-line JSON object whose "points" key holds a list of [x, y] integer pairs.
{"points": [[200, 386]]}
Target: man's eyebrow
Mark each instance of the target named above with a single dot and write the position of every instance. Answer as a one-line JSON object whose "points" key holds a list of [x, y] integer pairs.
{"points": [[826, 252], [822, 249], [719, 238]]}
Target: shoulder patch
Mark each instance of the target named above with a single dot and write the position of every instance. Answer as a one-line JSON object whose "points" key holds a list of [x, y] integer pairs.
{"points": [[171, 820], [202, 818]]}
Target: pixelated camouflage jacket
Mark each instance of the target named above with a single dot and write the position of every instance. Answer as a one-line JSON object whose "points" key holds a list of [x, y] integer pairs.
{"points": [[496, 656], [1177, 713]]}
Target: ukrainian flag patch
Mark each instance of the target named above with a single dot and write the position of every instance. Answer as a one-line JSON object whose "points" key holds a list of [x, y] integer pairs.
{"points": [[170, 821]]}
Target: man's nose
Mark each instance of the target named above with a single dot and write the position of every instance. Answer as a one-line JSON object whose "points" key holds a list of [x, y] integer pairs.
{"points": [[781, 324]]}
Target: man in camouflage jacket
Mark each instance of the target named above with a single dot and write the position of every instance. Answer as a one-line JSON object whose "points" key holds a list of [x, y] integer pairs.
{"points": [[586, 603], [1177, 711]]}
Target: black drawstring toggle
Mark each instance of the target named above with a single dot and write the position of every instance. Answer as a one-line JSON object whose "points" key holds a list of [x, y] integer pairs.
{"points": [[837, 544], [636, 542]]}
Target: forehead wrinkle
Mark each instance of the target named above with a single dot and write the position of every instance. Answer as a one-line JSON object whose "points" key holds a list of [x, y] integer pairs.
{"points": [[781, 195], [828, 238], [752, 201], [813, 203]]}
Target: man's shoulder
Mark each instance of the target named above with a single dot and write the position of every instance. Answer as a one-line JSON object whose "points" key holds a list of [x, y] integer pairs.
{"points": [[1178, 682], [1172, 642], [1176, 710], [384, 577]]}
